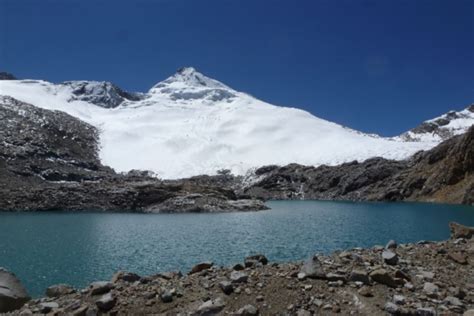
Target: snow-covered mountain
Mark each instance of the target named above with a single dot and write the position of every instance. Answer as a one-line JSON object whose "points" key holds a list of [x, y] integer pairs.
{"points": [[442, 127], [190, 124]]}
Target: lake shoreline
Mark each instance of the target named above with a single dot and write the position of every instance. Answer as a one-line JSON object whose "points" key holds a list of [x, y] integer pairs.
{"points": [[424, 278]]}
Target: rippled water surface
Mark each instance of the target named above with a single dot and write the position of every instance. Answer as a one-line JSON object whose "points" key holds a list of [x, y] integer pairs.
{"points": [[48, 248]]}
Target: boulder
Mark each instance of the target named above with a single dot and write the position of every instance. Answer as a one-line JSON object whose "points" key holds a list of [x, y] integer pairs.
{"points": [[100, 287], [247, 310], [312, 268], [431, 289], [59, 290], [166, 296], [425, 311], [359, 276], [383, 277], [335, 277], [390, 257], [12, 293], [201, 266], [460, 231], [391, 308], [46, 307], [125, 276], [457, 257], [259, 258], [106, 302], [238, 277], [238, 267], [210, 307], [399, 299], [392, 244], [226, 287]]}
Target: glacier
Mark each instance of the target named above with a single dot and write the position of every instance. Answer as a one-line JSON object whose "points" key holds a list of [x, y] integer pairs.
{"points": [[190, 125]]}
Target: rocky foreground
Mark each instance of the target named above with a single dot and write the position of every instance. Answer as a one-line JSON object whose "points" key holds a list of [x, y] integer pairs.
{"points": [[426, 278]]}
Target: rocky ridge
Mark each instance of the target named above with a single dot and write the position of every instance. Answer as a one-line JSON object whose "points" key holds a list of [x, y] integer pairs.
{"points": [[441, 128], [424, 278], [442, 174]]}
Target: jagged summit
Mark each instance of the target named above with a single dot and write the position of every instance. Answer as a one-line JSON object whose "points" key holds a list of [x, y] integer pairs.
{"points": [[103, 93], [6, 76], [189, 84], [190, 77], [442, 127]]}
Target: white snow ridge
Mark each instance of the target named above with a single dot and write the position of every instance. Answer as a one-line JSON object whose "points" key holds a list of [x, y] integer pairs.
{"points": [[190, 124]]}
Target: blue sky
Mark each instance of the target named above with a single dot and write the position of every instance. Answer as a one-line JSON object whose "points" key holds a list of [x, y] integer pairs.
{"points": [[378, 66]]}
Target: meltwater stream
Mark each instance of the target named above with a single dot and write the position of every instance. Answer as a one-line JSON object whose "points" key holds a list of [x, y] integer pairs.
{"points": [[78, 248]]}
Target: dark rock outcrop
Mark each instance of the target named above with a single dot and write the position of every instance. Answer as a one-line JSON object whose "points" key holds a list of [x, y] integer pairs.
{"points": [[6, 76], [104, 94], [442, 174], [12, 293]]}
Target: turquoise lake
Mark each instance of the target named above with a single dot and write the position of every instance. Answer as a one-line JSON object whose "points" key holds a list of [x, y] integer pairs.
{"points": [[78, 248]]}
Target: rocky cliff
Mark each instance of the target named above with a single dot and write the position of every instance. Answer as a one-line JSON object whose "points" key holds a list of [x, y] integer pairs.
{"points": [[442, 174]]}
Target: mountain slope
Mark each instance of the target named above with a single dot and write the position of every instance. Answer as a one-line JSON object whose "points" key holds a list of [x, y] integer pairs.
{"points": [[190, 124], [442, 127], [48, 161], [442, 174]]}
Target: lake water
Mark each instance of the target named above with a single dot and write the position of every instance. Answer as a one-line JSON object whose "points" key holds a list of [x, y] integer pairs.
{"points": [[49, 248]]}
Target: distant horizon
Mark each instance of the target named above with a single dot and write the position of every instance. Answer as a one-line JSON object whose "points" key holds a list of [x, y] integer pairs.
{"points": [[379, 67]]}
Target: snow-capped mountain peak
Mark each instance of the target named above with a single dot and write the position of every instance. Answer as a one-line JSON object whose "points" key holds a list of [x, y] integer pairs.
{"points": [[189, 84], [190, 124], [191, 78]]}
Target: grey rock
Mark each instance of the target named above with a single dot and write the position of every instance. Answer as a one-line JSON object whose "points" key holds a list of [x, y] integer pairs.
{"points": [[427, 275], [391, 308], [166, 296], [226, 287], [106, 302], [303, 312], [12, 293], [399, 299], [210, 307], [59, 290], [247, 310], [392, 244], [431, 289], [460, 231], [359, 276], [46, 307], [389, 257], [335, 277], [426, 311], [238, 277], [454, 301], [312, 268], [201, 266], [259, 258], [125, 276], [238, 267], [383, 277], [100, 287]]}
